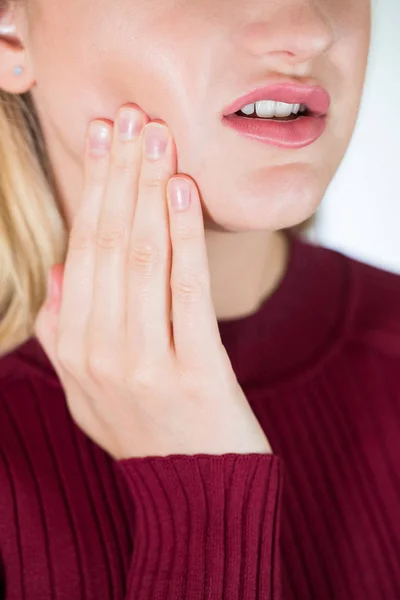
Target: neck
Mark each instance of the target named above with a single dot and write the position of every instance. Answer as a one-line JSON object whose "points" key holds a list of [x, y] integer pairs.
{"points": [[245, 269]]}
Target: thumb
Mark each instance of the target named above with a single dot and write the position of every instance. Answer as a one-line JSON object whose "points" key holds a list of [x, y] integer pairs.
{"points": [[47, 320]]}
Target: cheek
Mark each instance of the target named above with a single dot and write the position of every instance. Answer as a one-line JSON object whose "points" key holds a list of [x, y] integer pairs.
{"points": [[64, 67], [350, 53], [346, 65]]}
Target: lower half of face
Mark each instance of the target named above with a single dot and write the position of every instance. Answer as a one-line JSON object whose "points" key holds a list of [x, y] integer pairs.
{"points": [[247, 184], [143, 54]]}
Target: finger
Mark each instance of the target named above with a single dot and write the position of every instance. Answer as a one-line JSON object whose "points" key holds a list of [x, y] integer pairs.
{"points": [[148, 320], [196, 334], [46, 332], [107, 328], [76, 302]]}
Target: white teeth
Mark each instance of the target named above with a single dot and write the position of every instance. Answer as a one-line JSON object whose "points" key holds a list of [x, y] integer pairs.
{"points": [[248, 110], [266, 109], [269, 108], [7, 29]]}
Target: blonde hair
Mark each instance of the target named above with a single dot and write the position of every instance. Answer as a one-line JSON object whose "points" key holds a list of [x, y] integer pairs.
{"points": [[33, 233]]}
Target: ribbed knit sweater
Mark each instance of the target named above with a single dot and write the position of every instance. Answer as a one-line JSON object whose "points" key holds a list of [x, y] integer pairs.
{"points": [[319, 519]]}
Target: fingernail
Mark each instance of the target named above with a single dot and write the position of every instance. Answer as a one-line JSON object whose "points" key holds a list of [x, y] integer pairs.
{"points": [[180, 192], [155, 141], [130, 123], [99, 138]]}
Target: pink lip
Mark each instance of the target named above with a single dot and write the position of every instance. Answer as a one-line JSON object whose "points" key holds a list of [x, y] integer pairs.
{"points": [[285, 134], [316, 98]]}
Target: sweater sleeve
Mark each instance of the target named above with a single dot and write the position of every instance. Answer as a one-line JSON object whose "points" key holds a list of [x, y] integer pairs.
{"points": [[207, 527]]}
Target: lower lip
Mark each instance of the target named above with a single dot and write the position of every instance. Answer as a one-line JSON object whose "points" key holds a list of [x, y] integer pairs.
{"points": [[294, 134]]}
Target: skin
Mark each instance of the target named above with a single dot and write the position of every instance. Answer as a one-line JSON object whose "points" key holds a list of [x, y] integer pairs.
{"points": [[83, 59], [133, 384]]}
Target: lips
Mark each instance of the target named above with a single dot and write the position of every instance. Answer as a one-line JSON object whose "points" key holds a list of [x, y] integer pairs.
{"points": [[291, 135], [316, 98]]}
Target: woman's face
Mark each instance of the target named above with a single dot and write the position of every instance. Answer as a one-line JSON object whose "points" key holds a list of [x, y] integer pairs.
{"points": [[184, 61]]}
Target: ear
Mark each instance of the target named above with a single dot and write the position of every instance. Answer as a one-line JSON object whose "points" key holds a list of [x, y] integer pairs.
{"points": [[13, 52]]}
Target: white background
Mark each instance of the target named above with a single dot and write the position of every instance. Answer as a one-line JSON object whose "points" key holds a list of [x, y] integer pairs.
{"points": [[360, 214]]}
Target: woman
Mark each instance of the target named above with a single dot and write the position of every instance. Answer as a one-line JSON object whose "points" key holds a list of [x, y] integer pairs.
{"points": [[205, 406]]}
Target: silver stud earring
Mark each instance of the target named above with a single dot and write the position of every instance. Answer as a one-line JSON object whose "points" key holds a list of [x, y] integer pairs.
{"points": [[18, 70]]}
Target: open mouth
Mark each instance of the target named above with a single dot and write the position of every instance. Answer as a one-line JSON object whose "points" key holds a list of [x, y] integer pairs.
{"points": [[302, 111], [294, 119]]}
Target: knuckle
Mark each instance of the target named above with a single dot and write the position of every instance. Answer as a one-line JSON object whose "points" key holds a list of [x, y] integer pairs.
{"points": [[122, 163], [155, 182], [192, 382], [81, 237], [185, 232], [98, 176], [100, 364], [188, 288], [67, 354], [143, 381], [111, 237], [144, 255]]}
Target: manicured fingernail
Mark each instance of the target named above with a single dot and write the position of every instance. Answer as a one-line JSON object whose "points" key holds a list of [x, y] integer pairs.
{"points": [[99, 138], [130, 124], [155, 141], [179, 193]]}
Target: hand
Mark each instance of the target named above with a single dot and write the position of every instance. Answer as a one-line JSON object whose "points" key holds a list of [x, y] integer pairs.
{"points": [[135, 383]]}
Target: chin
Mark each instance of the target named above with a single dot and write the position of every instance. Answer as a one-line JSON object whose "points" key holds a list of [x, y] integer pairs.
{"points": [[269, 199]]}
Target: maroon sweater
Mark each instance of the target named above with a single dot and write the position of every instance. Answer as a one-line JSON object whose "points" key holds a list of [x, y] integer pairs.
{"points": [[319, 519]]}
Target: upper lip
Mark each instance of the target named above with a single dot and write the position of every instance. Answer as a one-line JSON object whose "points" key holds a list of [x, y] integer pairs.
{"points": [[315, 97]]}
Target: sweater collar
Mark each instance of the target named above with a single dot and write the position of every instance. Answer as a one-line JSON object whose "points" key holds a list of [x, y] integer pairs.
{"points": [[297, 326]]}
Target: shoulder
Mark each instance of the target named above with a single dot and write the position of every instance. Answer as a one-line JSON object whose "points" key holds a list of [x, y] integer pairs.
{"points": [[11, 369], [29, 398], [375, 307], [25, 363], [356, 302]]}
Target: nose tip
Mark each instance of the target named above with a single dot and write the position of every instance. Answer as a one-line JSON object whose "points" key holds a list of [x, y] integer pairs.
{"points": [[296, 32]]}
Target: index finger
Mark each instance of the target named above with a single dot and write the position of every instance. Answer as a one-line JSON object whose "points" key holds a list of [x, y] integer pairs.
{"points": [[77, 293]]}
